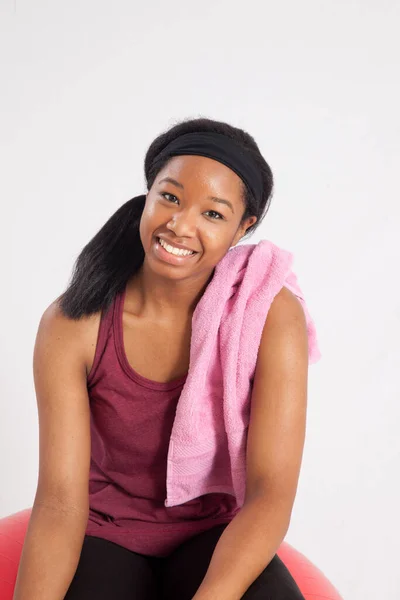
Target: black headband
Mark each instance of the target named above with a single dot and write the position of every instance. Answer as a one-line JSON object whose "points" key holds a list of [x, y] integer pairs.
{"points": [[221, 148]]}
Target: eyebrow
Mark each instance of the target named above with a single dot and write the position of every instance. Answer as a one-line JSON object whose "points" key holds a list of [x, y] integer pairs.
{"points": [[213, 198]]}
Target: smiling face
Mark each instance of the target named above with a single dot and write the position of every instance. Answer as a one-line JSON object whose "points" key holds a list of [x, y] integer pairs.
{"points": [[195, 202]]}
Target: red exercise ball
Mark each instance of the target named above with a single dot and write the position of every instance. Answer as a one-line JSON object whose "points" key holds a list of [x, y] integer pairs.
{"points": [[312, 582]]}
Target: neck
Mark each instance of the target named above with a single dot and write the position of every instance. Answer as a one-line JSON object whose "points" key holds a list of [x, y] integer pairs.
{"points": [[164, 299]]}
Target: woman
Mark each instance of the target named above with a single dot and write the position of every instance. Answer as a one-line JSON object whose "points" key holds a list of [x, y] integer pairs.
{"points": [[111, 358]]}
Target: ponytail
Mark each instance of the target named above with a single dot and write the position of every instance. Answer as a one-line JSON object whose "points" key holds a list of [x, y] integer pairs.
{"points": [[106, 263]]}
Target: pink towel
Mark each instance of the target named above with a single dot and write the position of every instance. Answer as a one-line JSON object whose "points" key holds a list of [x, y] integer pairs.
{"points": [[207, 450]]}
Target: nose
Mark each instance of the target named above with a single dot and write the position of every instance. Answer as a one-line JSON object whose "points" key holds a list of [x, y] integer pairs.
{"points": [[183, 224]]}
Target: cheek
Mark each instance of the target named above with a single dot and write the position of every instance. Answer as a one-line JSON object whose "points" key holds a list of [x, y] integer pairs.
{"points": [[215, 237], [149, 210], [146, 225], [148, 219]]}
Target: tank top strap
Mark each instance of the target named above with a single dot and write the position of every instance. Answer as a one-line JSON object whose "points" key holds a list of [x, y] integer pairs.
{"points": [[105, 327]]}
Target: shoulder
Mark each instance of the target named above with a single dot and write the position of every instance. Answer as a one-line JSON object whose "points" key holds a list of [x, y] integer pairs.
{"points": [[284, 335], [286, 309], [78, 335]]}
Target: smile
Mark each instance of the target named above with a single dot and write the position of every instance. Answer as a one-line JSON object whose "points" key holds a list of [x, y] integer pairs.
{"points": [[171, 255], [173, 249]]}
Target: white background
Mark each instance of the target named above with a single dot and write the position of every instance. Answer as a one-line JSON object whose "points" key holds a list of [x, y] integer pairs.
{"points": [[85, 87]]}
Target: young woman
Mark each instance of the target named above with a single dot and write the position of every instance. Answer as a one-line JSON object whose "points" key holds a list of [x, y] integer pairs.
{"points": [[111, 358]]}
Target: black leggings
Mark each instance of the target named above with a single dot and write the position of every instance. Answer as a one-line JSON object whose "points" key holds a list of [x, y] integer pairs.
{"points": [[107, 571]]}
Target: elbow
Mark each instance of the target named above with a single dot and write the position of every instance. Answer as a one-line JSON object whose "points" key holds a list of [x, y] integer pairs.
{"points": [[272, 506], [63, 506]]}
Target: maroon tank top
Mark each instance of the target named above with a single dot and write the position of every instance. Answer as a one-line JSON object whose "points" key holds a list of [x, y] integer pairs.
{"points": [[131, 419]]}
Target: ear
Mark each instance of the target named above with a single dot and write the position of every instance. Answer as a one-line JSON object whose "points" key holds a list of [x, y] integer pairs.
{"points": [[242, 229]]}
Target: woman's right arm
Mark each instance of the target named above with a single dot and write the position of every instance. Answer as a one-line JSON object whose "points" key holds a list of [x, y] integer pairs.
{"points": [[57, 525]]}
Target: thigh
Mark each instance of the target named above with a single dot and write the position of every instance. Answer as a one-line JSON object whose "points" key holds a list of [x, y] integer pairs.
{"points": [[274, 583], [183, 571], [107, 570]]}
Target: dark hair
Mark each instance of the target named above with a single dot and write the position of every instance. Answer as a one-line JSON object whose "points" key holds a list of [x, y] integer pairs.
{"points": [[115, 253]]}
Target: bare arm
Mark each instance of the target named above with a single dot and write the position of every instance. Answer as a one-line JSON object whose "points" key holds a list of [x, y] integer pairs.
{"points": [[274, 452], [56, 529]]}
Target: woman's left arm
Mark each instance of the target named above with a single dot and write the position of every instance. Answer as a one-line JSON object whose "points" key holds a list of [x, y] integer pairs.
{"points": [[274, 453]]}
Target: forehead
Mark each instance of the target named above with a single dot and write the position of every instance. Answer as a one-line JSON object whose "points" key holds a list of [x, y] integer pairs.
{"points": [[204, 172]]}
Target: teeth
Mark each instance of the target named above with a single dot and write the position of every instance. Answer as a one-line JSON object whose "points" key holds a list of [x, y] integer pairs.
{"points": [[173, 250]]}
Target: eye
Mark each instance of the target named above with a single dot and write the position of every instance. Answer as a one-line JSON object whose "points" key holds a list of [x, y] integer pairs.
{"points": [[165, 194], [216, 213]]}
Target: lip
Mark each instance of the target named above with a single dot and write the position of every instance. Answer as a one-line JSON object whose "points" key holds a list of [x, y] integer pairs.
{"points": [[175, 245], [169, 258]]}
